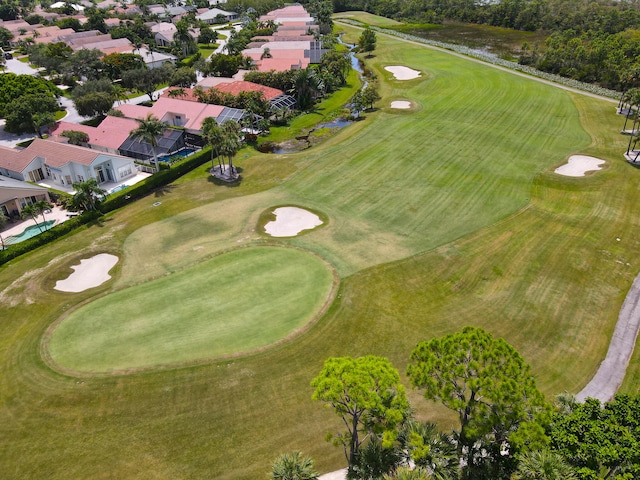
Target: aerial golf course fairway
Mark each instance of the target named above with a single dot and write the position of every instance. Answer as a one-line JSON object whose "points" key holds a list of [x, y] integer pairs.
{"points": [[444, 216]]}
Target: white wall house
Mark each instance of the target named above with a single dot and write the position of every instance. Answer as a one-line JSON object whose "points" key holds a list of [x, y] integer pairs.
{"points": [[60, 165]]}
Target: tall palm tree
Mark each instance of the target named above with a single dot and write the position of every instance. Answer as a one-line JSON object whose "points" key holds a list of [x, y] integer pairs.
{"points": [[214, 135], [87, 194], [149, 131], [543, 465], [293, 466], [231, 143], [183, 37], [35, 209]]}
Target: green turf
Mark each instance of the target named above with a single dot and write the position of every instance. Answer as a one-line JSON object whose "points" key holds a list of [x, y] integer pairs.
{"points": [[499, 241], [236, 302]]}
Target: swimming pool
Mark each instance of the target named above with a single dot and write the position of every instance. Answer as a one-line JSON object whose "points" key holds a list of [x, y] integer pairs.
{"points": [[118, 188], [29, 232], [182, 153]]}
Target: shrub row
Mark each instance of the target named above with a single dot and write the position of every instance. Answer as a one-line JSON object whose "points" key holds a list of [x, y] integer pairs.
{"points": [[494, 60], [113, 202]]}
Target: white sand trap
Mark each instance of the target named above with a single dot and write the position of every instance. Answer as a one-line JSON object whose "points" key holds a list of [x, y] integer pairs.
{"points": [[91, 272], [290, 221], [403, 73], [403, 104], [578, 165]]}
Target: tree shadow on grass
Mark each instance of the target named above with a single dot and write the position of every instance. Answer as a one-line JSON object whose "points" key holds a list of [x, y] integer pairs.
{"points": [[223, 183], [164, 190]]}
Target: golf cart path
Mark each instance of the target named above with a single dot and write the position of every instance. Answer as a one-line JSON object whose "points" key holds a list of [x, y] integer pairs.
{"points": [[610, 375]]}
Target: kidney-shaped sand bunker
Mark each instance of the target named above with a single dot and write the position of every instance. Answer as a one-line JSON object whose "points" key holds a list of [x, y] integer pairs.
{"points": [[236, 302]]}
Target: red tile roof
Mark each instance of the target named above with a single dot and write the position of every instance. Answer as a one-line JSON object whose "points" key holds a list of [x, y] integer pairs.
{"points": [[234, 88], [111, 133]]}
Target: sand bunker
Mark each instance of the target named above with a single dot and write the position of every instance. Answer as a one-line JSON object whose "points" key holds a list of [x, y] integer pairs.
{"points": [[403, 104], [578, 165], [91, 272], [403, 73], [290, 221]]}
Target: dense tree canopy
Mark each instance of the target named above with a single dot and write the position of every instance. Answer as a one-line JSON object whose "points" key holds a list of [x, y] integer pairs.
{"points": [[367, 394], [598, 438], [29, 112], [13, 86], [489, 386]]}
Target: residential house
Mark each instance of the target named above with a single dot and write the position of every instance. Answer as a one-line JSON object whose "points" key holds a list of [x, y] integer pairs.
{"points": [[276, 98], [16, 194], [106, 137], [214, 15], [61, 165], [185, 114], [163, 33], [153, 59]]}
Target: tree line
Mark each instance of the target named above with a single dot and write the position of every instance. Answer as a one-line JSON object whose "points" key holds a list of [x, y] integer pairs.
{"points": [[592, 41], [505, 429]]}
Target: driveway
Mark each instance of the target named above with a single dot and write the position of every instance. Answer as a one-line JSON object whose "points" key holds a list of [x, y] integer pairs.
{"points": [[16, 66]]}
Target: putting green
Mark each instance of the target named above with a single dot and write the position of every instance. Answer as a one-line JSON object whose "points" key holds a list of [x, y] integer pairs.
{"points": [[236, 302]]}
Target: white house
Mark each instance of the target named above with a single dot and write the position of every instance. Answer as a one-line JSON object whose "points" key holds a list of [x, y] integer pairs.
{"points": [[60, 165], [211, 16], [15, 195]]}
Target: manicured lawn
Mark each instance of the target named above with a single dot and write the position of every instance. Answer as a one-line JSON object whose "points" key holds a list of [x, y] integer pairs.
{"points": [[248, 299], [447, 216]]}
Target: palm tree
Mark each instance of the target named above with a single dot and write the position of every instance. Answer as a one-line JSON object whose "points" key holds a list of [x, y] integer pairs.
{"points": [[87, 194], [176, 92], [305, 88], [293, 466], [183, 37], [35, 209], [149, 131], [405, 473], [430, 449], [543, 465], [231, 142], [214, 135]]}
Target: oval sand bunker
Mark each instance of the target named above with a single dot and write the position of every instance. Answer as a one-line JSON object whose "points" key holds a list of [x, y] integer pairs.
{"points": [[92, 272], [578, 165], [401, 104], [403, 73], [290, 221]]}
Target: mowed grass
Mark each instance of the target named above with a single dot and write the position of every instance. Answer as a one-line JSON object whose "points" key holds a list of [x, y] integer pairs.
{"points": [[394, 184], [545, 271], [236, 302]]}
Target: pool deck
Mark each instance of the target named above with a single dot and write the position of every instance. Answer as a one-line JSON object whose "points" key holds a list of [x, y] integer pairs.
{"points": [[18, 227]]}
